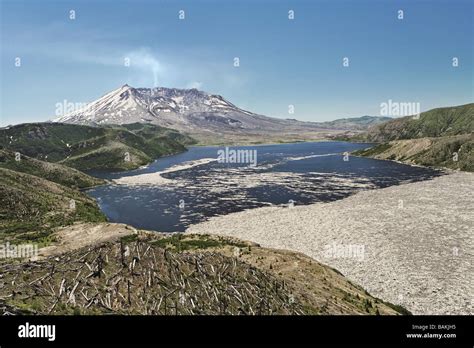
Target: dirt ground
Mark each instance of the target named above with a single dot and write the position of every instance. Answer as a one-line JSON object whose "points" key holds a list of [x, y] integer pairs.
{"points": [[84, 234]]}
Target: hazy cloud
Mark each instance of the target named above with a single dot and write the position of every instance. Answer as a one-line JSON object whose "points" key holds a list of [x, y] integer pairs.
{"points": [[144, 60]]}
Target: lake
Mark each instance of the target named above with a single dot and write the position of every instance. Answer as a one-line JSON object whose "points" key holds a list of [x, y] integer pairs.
{"points": [[284, 174]]}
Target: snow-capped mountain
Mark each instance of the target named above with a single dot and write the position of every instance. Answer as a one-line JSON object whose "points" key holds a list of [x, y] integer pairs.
{"points": [[183, 109], [202, 115]]}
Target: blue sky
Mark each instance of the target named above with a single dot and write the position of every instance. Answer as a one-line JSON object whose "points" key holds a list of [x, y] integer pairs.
{"points": [[282, 62]]}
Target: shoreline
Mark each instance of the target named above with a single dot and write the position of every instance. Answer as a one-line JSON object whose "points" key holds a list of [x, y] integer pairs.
{"points": [[416, 240], [156, 178], [319, 140], [412, 164]]}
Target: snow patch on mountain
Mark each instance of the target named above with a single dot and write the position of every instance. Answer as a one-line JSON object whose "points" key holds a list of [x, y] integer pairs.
{"points": [[183, 109]]}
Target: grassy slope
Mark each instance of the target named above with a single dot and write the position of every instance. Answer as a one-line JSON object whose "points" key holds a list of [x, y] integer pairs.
{"points": [[55, 172], [31, 207], [87, 148], [35, 194], [435, 152], [431, 140], [355, 123], [433, 123]]}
